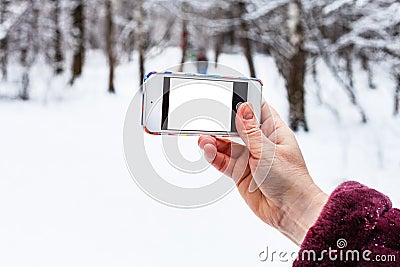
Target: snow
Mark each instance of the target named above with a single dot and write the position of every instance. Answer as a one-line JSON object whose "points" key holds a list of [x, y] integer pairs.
{"points": [[293, 22], [18, 11], [374, 20], [335, 5], [67, 198], [262, 8]]}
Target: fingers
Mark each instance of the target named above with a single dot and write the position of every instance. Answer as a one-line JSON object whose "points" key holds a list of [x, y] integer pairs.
{"points": [[218, 158], [224, 146], [210, 152], [249, 130], [206, 139]]}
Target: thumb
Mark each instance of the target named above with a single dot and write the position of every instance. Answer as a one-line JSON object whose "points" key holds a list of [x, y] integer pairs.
{"points": [[262, 150], [250, 132]]}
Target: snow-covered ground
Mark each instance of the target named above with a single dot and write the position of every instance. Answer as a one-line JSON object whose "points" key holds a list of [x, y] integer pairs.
{"points": [[67, 199]]}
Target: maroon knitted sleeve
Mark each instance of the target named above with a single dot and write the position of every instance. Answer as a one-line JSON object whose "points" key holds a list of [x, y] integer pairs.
{"points": [[357, 227]]}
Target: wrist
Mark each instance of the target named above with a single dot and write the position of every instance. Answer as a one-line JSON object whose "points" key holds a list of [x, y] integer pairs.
{"points": [[302, 212]]}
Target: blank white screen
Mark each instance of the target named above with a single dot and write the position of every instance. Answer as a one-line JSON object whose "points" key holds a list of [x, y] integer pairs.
{"points": [[185, 90]]}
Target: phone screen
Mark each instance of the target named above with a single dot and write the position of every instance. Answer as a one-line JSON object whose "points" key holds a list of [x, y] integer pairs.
{"points": [[200, 104]]}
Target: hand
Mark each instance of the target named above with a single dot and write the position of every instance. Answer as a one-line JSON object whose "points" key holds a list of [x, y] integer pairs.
{"points": [[269, 171]]}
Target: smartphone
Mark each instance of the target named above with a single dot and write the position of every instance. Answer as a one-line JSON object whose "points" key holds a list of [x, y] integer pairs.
{"points": [[196, 104]]}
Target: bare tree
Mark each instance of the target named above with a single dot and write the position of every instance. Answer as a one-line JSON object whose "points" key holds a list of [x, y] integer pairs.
{"points": [[142, 37], [345, 31], [218, 46], [78, 36], [245, 40], [58, 57], [184, 35], [4, 39], [127, 32], [365, 63], [281, 28], [152, 31], [34, 20], [396, 75], [110, 45], [294, 76], [323, 37], [26, 41], [144, 30]]}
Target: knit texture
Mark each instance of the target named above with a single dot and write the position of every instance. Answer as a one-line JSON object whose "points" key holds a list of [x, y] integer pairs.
{"points": [[355, 218]]}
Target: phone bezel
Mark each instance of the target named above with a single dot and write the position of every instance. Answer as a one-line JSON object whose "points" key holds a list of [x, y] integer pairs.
{"points": [[153, 95]]}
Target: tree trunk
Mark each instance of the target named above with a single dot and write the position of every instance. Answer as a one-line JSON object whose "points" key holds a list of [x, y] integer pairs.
{"points": [[130, 42], [142, 39], [367, 68], [24, 50], [141, 66], [93, 39], [218, 47], [316, 81], [110, 45], [26, 41], [131, 46], [24, 94], [397, 95], [184, 36], [295, 90], [34, 20], [78, 34], [184, 43], [245, 41], [4, 41], [58, 60], [349, 66], [297, 68]]}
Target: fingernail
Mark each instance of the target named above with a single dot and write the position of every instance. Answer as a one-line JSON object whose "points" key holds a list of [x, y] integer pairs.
{"points": [[209, 153], [247, 112]]}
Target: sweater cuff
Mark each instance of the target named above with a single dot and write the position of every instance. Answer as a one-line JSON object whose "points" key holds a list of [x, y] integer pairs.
{"points": [[347, 219]]}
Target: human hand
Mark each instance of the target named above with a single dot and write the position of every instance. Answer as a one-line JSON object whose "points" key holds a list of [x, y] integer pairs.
{"points": [[269, 171]]}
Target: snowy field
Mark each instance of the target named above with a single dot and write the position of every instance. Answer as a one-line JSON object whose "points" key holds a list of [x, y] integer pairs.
{"points": [[67, 199]]}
